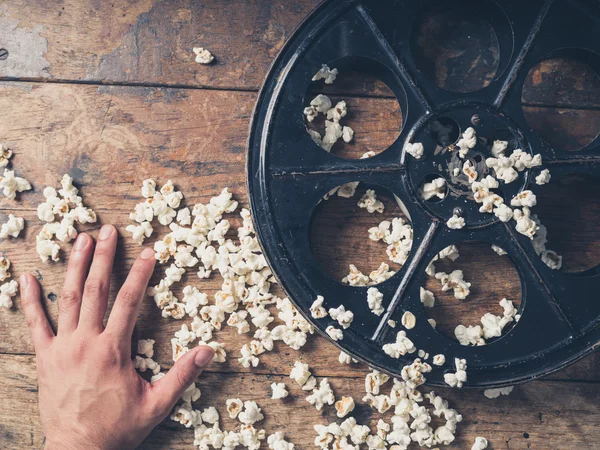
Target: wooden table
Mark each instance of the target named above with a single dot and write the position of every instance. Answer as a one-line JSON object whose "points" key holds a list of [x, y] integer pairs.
{"points": [[109, 93]]}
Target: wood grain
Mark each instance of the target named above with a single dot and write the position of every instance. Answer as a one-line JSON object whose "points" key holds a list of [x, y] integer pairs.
{"points": [[529, 418]]}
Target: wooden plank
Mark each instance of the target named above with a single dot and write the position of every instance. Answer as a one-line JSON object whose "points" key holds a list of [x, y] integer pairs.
{"points": [[150, 42], [56, 129], [529, 418]]}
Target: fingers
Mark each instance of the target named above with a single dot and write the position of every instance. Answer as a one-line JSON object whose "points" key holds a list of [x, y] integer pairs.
{"points": [[167, 391], [127, 304], [41, 333], [69, 303], [95, 292]]}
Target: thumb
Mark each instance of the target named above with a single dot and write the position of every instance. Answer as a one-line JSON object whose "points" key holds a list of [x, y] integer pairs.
{"points": [[168, 390]]}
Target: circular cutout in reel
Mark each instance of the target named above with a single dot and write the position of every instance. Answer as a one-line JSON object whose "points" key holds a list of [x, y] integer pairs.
{"points": [[288, 175]]}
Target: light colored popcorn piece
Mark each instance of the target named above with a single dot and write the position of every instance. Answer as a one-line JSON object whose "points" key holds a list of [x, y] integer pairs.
{"points": [[455, 281], [343, 317], [525, 224], [427, 297], [279, 391], [524, 198], [191, 393], [347, 134], [498, 250], [470, 171], [458, 378], [471, 335], [334, 333], [326, 74], [416, 150], [434, 188], [145, 347], [11, 184], [7, 291], [140, 232], [300, 373], [344, 406], [375, 300], [12, 227], [321, 396], [497, 392], [370, 202], [203, 56], [401, 347], [250, 414], [355, 277], [317, 311], [276, 441], [503, 168], [337, 113], [503, 212], [234, 406], [467, 141], [481, 443], [413, 373], [455, 222], [5, 155], [439, 360], [543, 177], [499, 147], [408, 320]]}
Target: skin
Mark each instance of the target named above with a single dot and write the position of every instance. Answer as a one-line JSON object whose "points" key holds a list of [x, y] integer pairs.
{"points": [[90, 396]]}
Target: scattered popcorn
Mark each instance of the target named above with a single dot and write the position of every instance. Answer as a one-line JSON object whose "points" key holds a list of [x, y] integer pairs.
{"points": [[337, 113], [369, 202], [408, 320], [345, 358], [455, 222], [459, 377], [11, 185], [145, 347], [347, 134], [413, 373], [503, 212], [7, 291], [467, 141], [499, 251], [5, 155], [427, 297], [524, 198], [343, 317], [234, 406], [143, 364], [203, 56], [326, 74], [279, 391], [499, 147], [525, 224], [454, 281], [503, 168], [248, 359], [416, 150], [543, 177], [439, 360], [251, 413], [374, 380], [469, 171], [191, 394], [140, 232], [344, 406], [472, 335], [334, 333], [12, 227], [401, 347], [374, 300], [495, 393], [300, 373], [480, 444], [323, 395], [435, 188], [277, 442]]}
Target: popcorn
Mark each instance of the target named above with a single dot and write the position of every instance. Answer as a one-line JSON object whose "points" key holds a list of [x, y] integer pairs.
{"points": [[344, 406], [12, 227], [499, 147], [381, 274], [5, 155], [248, 359], [503, 212], [184, 256], [439, 360], [503, 168], [338, 112], [413, 373], [374, 300], [416, 150], [10, 184], [480, 444], [467, 141], [146, 347], [185, 415], [369, 202], [300, 373], [326, 74], [374, 380], [334, 333], [347, 134], [343, 317], [345, 358], [191, 393], [148, 188], [459, 377], [472, 335], [322, 395], [427, 297], [499, 251], [543, 177], [469, 171], [203, 56], [408, 320], [47, 249], [279, 391], [4, 268], [524, 198], [140, 232], [251, 413], [178, 349], [525, 224], [495, 393], [316, 310], [333, 132], [7, 291], [454, 281], [355, 277], [401, 347], [184, 335], [234, 406], [455, 222], [277, 442], [347, 190], [143, 364], [435, 188], [551, 259], [143, 212], [523, 160]]}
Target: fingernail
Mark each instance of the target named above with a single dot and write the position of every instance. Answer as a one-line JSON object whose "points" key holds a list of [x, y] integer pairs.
{"points": [[24, 280], [204, 356], [105, 232], [147, 253], [81, 241]]}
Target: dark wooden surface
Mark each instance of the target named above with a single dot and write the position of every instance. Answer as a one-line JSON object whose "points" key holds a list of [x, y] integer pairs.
{"points": [[88, 80]]}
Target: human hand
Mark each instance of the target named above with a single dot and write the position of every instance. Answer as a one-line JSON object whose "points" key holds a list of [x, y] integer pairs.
{"points": [[90, 395]]}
